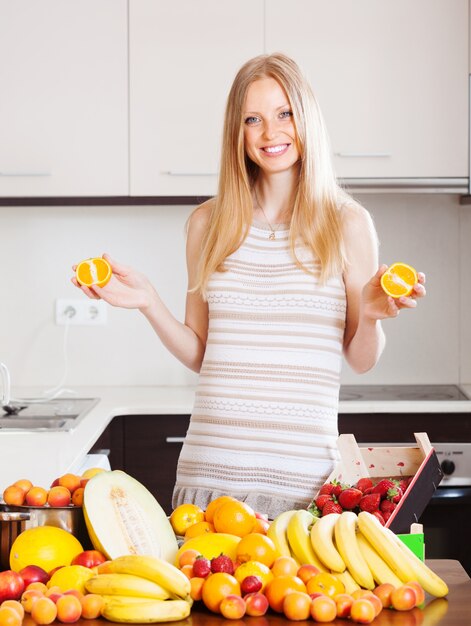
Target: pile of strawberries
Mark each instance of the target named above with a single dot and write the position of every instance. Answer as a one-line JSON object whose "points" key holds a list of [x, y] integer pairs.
{"points": [[380, 499]]}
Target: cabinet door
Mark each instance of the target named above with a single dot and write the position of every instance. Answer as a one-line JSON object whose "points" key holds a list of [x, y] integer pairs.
{"points": [[63, 108], [183, 58], [391, 79]]}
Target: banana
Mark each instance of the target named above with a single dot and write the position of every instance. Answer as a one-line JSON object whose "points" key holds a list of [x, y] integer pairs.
{"points": [[123, 599], [430, 582], [147, 611], [348, 581], [299, 539], [385, 546], [157, 570], [381, 571], [322, 540], [347, 545], [434, 612], [126, 585], [277, 533]]}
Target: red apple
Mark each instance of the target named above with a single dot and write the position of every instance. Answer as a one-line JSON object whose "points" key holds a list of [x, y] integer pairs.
{"points": [[89, 558], [11, 585], [33, 574]]}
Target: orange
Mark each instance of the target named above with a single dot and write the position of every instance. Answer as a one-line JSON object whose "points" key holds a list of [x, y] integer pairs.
{"points": [[45, 546], [184, 516], [325, 583], [279, 587], [94, 271], [216, 587], [14, 495], [256, 547], [284, 565], [214, 504], [71, 577], [398, 280], [200, 528], [236, 518], [254, 568]]}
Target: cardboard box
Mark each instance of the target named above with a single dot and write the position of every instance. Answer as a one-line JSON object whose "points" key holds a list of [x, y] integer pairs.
{"points": [[378, 462]]}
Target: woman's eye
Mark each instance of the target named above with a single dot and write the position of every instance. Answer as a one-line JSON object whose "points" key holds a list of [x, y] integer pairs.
{"points": [[251, 120], [286, 114]]}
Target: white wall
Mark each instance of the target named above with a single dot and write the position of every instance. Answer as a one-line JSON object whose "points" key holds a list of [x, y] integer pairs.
{"points": [[39, 245]]}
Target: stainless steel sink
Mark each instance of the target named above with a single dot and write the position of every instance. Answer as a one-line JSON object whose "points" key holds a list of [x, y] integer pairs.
{"points": [[61, 414]]}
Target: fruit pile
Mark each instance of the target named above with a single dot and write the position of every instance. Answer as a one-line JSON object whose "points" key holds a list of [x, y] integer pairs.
{"points": [[380, 498], [66, 490], [336, 565]]}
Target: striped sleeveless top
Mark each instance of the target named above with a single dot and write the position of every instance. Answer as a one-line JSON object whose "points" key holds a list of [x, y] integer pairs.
{"points": [[264, 424]]}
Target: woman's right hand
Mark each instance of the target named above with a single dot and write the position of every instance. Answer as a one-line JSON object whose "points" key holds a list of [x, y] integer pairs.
{"points": [[126, 288]]}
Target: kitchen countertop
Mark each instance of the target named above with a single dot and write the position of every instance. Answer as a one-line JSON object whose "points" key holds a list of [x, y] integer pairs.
{"points": [[42, 456]]}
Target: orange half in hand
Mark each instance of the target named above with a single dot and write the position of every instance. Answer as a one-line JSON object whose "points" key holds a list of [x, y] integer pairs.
{"points": [[399, 280], [93, 272]]}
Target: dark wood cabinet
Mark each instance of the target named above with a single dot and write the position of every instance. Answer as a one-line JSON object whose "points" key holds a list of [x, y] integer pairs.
{"points": [[147, 447]]}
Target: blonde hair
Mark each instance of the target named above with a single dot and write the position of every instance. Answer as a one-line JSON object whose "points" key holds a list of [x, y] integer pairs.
{"points": [[316, 217]]}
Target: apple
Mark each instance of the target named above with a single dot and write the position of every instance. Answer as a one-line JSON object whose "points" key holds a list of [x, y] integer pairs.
{"points": [[89, 558], [33, 574], [11, 585]]}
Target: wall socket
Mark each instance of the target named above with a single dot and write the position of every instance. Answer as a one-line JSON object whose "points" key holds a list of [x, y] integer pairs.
{"points": [[81, 312]]}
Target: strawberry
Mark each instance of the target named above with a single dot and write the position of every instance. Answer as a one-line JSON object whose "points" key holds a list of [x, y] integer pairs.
{"points": [[328, 488], [350, 498], [379, 517], [383, 486], [404, 483], [394, 495], [338, 489], [386, 515], [221, 563], [370, 502], [387, 506], [364, 483], [321, 500], [331, 507], [201, 567]]}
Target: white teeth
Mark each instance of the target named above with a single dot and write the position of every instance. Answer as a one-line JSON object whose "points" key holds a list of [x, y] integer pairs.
{"points": [[275, 148]]}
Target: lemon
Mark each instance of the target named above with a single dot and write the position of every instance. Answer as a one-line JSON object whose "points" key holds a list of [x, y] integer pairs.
{"points": [[71, 577], [254, 568]]}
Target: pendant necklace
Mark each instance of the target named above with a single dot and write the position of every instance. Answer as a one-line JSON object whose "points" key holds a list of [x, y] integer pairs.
{"points": [[272, 234]]}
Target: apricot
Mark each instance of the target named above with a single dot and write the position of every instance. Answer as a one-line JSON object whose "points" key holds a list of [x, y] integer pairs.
{"points": [[9, 617], [375, 601], [187, 557], [14, 495], [24, 484], [232, 607], [70, 482], [362, 611], [69, 608], [16, 606], [58, 496], [29, 597], [77, 496], [344, 603], [404, 598], [384, 592], [418, 590], [256, 604], [306, 572], [324, 609], [187, 570], [36, 496], [196, 584], [297, 606], [39, 586], [44, 611], [284, 566], [92, 604]]}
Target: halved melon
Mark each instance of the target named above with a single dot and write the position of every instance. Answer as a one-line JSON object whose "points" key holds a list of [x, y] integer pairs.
{"points": [[123, 517]]}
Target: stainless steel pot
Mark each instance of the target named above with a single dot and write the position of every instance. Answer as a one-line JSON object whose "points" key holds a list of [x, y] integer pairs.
{"points": [[15, 519]]}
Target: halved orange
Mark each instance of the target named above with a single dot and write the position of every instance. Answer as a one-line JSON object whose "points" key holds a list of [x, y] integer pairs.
{"points": [[398, 280], [95, 271]]}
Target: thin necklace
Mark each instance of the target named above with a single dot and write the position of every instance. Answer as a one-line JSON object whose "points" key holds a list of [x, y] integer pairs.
{"points": [[272, 234]]}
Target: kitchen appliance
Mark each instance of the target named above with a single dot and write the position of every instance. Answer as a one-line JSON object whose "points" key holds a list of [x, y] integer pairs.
{"points": [[58, 414]]}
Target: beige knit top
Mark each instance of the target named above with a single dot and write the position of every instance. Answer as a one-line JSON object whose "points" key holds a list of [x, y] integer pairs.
{"points": [[264, 424]]}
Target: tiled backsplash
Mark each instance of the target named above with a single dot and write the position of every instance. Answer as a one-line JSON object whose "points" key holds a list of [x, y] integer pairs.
{"points": [[39, 246]]}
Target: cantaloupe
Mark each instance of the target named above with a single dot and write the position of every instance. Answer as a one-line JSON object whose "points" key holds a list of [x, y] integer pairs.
{"points": [[123, 517]]}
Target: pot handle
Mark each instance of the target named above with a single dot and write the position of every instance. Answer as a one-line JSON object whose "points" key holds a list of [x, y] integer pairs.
{"points": [[13, 516]]}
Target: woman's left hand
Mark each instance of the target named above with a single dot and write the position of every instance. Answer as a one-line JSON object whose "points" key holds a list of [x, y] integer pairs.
{"points": [[377, 305]]}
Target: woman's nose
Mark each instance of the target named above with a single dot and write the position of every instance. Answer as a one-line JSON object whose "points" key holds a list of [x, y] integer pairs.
{"points": [[269, 129]]}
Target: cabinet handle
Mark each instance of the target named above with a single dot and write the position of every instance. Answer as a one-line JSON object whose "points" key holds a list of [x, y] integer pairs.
{"points": [[178, 173], [363, 154], [25, 173], [174, 439]]}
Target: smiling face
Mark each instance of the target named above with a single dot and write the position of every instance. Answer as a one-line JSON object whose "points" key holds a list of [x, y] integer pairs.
{"points": [[269, 131]]}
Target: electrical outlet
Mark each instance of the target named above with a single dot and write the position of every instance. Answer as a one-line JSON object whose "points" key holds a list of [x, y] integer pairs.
{"points": [[81, 312]]}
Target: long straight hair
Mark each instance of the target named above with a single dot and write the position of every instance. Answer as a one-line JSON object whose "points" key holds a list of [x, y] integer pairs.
{"points": [[317, 218]]}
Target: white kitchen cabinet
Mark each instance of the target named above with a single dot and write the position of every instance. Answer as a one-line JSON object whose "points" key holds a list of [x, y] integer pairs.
{"points": [[183, 58], [391, 79], [63, 105]]}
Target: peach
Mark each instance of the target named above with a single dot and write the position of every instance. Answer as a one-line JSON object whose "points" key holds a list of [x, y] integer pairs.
{"points": [[77, 496], [44, 611], [306, 572], [187, 570], [323, 609], [256, 604], [36, 496], [384, 592], [187, 557], [375, 601], [404, 598], [362, 611], [14, 495], [24, 484], [9, 617], [344, 603], [15, 605], [58, 496], [69, 608], [70, 482], [284, 566], [297, 606], [232, 607], [29, 597], [92, 604], [419, 591], [74, 592]]}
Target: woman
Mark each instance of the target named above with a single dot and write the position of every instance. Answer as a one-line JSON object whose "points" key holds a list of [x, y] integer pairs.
{"points": [[283, 279]]}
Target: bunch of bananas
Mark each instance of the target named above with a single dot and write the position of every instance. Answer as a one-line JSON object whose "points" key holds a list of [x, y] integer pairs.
{"points": [[141, 589], [357, 548]]}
